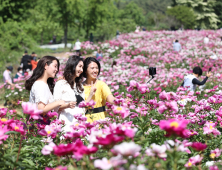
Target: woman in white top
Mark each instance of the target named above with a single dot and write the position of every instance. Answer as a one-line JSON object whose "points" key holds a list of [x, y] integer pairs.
{"points": [[70, 89], [41, 85]]}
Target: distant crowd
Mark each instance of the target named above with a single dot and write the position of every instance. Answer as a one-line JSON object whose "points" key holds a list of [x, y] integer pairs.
{"points": [[27, 65]]}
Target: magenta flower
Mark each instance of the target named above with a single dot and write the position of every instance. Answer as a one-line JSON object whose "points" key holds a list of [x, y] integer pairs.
{"points": [[109, 139], [3, 130], [90, 104], [164, 96], [199, 146], [64, 149], [3, 112], [52, 114], [174, 126], [17, 128], [32, 110]]}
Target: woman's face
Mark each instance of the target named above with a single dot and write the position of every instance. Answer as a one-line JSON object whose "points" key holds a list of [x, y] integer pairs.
{"points": [[52, 69], [79, 69], [92, 70]]}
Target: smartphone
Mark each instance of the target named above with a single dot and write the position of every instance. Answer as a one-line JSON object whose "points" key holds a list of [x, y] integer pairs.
{"points": [[210, 69]]}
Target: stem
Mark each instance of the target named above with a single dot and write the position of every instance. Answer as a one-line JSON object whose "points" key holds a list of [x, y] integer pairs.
{"points": [[20, 146]]}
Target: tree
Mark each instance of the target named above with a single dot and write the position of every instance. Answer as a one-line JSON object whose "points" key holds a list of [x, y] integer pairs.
{"points": [[218, 12], [204, 11], [95, 13], [132, 11], [184, 15], [16, 10], [42, 26], [66, 13]]}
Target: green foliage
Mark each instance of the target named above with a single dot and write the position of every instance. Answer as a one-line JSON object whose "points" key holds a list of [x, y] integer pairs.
{"points": [[132, 11], [218, 12], [184, 15], [204, 10]]}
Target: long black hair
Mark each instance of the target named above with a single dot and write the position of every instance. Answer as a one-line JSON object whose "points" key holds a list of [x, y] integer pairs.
{"points": [[70, 72], [39, 71], [87, 61]]}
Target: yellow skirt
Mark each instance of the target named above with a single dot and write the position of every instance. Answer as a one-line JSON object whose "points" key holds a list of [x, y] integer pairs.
{"points": [[95, 116]]}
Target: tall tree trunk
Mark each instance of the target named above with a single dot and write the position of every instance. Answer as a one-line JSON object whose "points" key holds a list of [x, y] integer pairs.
{"points": [[65, 33]]}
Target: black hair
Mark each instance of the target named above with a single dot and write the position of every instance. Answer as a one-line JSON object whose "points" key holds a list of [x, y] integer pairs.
{"points": [[114, 63], [33, 52], [87, 61], [39, 71], [176, 41], [70, 72], [19, 68], [197, 70]]}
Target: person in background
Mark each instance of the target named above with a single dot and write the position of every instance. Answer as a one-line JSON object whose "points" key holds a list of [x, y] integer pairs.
{"points": [[191, 80], [176, 46], [206, 40], [144, 29], [117, 34], [7, 77], [99, 55], [214, 55], [34, 63], [29, 65], [34, 56], [19, 73], [24, 61], [54, 39], [77, 46], [91, 38]]}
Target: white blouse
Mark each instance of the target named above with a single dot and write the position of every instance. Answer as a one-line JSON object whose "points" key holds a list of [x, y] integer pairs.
{"points": [[63, 91], [40, 93]]}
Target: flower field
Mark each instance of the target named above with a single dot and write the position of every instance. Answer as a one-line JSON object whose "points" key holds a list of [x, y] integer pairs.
{"points": [[163, 127]]}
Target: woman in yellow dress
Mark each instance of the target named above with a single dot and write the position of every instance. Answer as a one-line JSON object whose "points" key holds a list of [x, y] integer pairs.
{"points": [[102, 95]]}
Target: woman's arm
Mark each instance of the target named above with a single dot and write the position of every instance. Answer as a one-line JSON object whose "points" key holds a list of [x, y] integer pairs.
{"points": [[110, 99], [51, 106]]}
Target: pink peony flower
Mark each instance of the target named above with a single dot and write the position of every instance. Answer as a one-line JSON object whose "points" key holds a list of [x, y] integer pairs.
{"points": [[3, 112], [64, 149], [103, 164], [123, 111], [90, 104], [193, 161], [47, 149], [32, 110], [174, 126], [52, 114], [3, 130], [109, 139], [199, 146], [127, 149], [215, 153], [164, 96]]}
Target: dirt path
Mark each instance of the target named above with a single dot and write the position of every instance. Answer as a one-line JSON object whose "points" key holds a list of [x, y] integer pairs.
{"points": [[66, 54]]}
